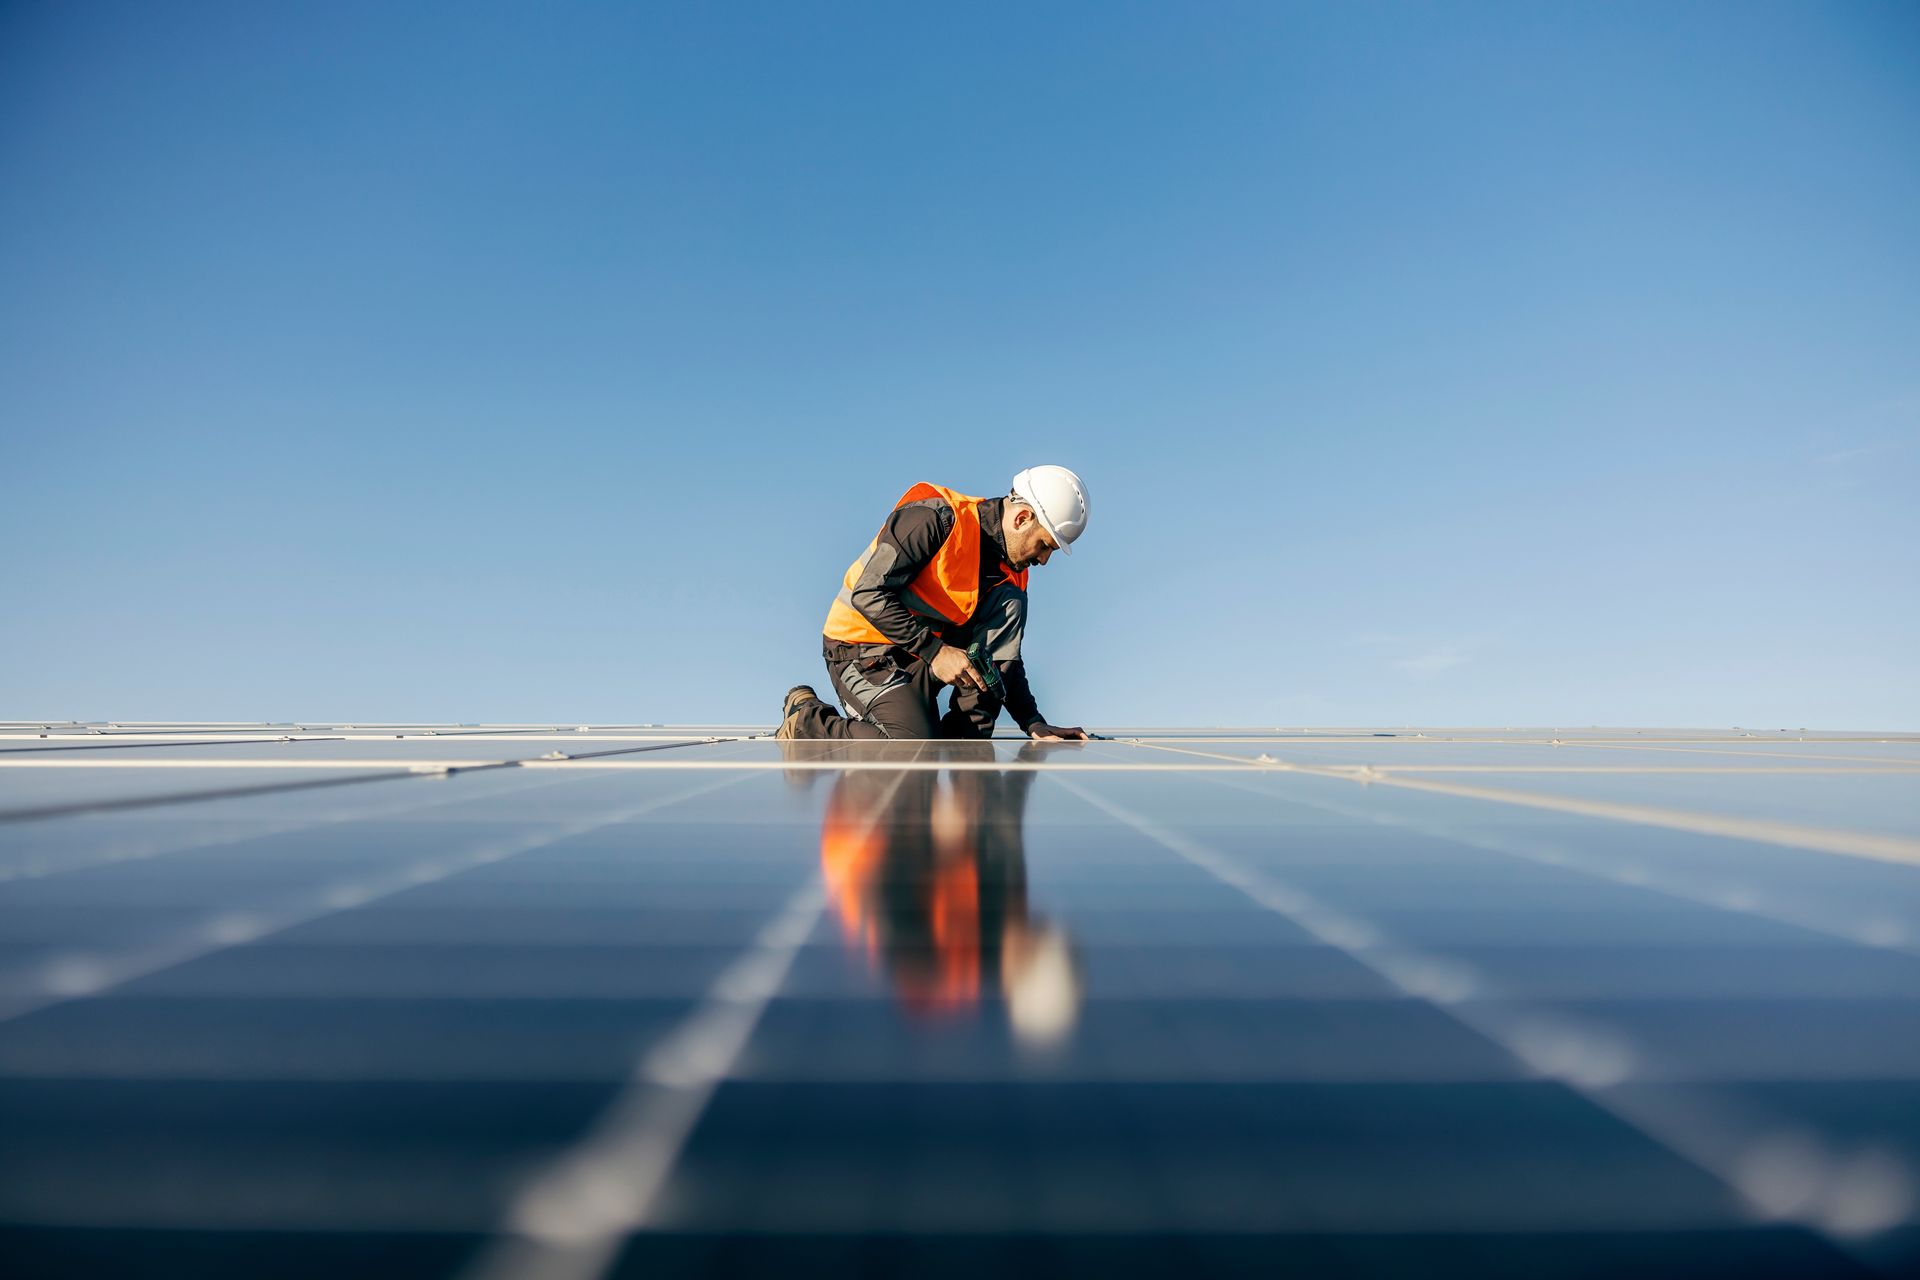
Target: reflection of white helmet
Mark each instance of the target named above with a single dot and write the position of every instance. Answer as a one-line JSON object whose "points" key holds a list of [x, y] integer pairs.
{"points": [[1043, 988], [1058, 497]]}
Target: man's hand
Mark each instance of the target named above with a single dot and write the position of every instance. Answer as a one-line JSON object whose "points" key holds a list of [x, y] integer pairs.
{"points": [[1057, 733], [952, 666]]}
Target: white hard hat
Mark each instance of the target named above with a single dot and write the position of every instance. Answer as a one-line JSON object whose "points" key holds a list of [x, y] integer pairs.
{"points": [[1059, 498]]}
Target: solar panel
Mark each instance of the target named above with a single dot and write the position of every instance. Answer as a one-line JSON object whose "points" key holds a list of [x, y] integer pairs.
{"points": [[484, 1001]]}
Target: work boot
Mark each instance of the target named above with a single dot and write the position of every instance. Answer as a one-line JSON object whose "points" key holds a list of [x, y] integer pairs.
{"points": [[797, 698]]}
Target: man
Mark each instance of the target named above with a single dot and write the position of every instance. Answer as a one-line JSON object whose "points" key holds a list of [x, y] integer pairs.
{"points": [[940, 598]]}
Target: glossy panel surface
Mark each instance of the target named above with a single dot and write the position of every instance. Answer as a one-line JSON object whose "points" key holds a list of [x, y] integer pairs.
{"points": [[930, 1007]]}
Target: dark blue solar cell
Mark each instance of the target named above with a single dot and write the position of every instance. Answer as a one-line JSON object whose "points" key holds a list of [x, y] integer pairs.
{"points": [[704, 1008]]}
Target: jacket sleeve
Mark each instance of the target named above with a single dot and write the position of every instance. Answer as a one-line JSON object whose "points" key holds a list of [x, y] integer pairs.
{"points": [[1019, 696], [905, 546]]}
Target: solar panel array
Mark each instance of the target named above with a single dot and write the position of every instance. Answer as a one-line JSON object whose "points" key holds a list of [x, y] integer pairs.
{"points": [[581, 1001]]}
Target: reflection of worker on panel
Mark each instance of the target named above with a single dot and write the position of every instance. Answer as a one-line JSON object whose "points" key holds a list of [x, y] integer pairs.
{"points": [[927, 872], [939, 598]]}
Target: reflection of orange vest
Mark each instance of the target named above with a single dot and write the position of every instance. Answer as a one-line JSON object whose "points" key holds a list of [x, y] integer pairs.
{"points": [[946, 590], [927, 940], [955, 912], [851, 848]]}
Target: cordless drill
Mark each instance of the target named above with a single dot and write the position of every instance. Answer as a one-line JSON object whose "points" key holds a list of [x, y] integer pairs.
{"points": [[983, 663]]}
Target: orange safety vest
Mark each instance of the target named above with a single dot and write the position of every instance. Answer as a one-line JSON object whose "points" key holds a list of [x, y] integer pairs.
{"points": [[946, 590]]}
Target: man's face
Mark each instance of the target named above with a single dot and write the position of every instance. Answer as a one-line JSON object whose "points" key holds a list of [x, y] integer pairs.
{"points": [[1028, 543]]}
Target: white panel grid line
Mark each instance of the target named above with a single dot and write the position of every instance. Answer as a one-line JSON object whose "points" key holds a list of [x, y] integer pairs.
{"points": [[401, 763], [594, 1157], [1862, 1193], [1856, 844], [570, 1221], [1788, 1169], [1878, 930], [84, 976], [411, 801]]}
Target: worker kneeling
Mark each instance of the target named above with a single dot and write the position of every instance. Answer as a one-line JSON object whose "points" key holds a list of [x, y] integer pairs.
{"points": [[938, 598]]}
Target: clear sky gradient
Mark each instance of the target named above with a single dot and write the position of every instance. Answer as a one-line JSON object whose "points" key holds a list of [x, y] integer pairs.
{"points": [[1428, 363]]}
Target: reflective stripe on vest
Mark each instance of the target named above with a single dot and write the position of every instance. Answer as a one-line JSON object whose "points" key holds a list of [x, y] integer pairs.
{"points": [[947, 588]]}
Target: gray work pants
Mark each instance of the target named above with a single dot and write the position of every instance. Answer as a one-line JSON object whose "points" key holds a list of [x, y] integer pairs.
{"points": [[889, 695]]}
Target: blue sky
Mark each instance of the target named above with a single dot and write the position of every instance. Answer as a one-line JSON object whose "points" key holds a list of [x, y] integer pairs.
{"points": [[1441, 364]]}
